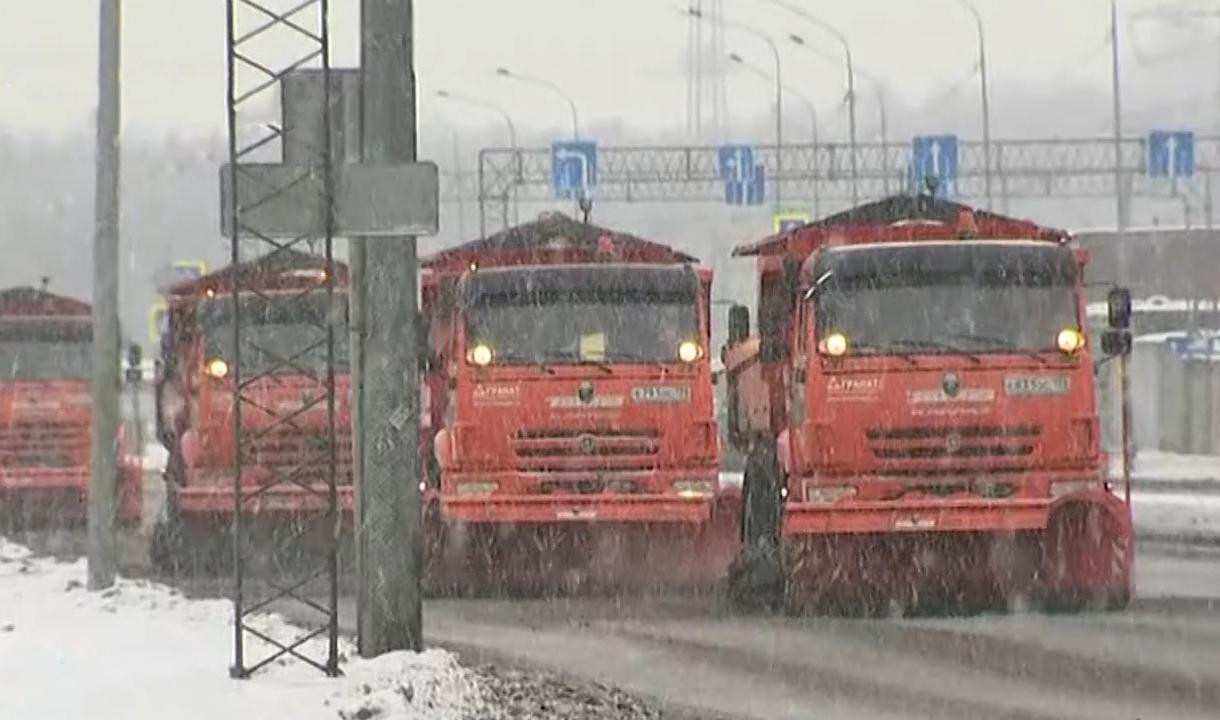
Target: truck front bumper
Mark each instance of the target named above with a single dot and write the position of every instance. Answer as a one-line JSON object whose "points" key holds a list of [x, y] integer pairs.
{"points": [[217, 497], [958, 513], [602, 507], [54, 495]]}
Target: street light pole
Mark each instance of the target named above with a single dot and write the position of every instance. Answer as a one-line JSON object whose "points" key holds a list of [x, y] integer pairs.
{"points": [[851, 96], [851, 84], [1120, 195], [512, 143], [987, 162], [779, 93], [813, 119], [548, 85]]}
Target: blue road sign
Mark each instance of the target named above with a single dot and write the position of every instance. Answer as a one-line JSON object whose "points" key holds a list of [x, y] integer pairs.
{"points": [[573, 168], [744, 180], [934, 156], [1171, 153], [1197, 348]]}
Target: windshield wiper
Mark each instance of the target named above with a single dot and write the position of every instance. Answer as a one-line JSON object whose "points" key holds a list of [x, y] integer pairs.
{"points": [[935, 345], [999, 344], [521, 360]]}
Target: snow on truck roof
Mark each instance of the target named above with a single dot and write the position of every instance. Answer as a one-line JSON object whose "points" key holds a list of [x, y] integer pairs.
{"points": [[279, 269], [898, 218], [34, 302], [552, 236]]}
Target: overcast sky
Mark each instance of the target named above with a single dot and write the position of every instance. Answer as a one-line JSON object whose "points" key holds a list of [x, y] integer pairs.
{"points": [[623, 60]]}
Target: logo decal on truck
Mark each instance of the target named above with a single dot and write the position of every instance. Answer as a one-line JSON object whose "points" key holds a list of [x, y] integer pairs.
{"points": [[1037, 384], [504, 395], [660, 394]]}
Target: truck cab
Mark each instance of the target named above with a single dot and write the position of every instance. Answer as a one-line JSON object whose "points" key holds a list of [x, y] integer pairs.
{"points": [[284, 416], [46, 368], [922, 387], [573, 380]]}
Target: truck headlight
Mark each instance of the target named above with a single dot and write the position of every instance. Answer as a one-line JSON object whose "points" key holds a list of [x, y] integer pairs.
{"points": [[695, 488], [834, 345], [217, 368], [476, 488], [1069, 341], [479, 355], [688, 351]]}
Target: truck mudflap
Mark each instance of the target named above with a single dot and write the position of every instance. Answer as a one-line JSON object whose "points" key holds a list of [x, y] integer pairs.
{"points": [[282, 499], [1071, 552], [41, 497]]}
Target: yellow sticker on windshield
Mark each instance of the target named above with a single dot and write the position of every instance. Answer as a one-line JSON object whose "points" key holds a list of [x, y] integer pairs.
{"points": [[593, 347]]}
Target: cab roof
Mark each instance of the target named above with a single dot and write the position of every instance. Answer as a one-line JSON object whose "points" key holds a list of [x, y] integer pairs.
{"points": [[898, 218], [277, 270], [554, 238], [33, 302]]}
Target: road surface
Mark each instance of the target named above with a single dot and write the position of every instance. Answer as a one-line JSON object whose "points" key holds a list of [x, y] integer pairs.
{"points": [[1160, 659]]}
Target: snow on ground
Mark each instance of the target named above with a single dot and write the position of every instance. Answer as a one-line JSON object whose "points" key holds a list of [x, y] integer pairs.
{"points": [[140, 651]]}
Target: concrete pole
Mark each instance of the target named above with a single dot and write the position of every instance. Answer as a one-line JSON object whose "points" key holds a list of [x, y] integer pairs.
{"points": [[389, 533], [103, 482]]}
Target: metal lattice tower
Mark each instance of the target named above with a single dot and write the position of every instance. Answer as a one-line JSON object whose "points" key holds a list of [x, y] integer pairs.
{"points": [[266, 41], [707, 104]]}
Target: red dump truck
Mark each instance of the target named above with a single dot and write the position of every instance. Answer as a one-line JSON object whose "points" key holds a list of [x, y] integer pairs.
{"points": [[284, 416], [571, 393], [46, 366], [918, 408]]}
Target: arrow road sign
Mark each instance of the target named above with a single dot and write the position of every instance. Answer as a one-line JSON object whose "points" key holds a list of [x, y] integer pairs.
{"points": [[935, 156], [1171, 153], [744, 179], [573, 168]]}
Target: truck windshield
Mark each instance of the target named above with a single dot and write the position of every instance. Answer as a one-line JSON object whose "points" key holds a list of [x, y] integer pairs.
{"points": [[569, 317], [942, 298], [274, 330], [45, 350]]}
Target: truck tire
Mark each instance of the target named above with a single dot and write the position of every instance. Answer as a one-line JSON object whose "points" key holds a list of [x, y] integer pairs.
{"points": [[757, 576]]}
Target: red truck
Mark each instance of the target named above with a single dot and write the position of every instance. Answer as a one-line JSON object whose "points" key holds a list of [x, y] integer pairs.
{"points": [[571, 393], [918, 408], [46, 366], [284, 417]]}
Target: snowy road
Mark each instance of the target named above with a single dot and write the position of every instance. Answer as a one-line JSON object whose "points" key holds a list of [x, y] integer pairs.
{"points": [[1160, 659]]}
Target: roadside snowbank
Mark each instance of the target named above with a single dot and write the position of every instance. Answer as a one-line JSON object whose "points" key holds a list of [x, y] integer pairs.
{"points": [[142, 651], [1156, 466]]}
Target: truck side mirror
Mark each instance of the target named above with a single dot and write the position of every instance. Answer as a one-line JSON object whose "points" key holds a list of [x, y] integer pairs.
{"points": [[739, 324], [1118, 308], [1116, 343]]}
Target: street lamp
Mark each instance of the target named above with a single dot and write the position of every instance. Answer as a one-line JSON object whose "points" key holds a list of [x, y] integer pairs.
{"points": [[851, 97], [978, 24], [851, 81], [546, 84], [813, 118], [512, 142], [779, 90]]}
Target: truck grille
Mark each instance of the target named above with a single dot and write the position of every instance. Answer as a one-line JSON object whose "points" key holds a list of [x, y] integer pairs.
{"points": [[43, 445], [567, 450], [965, 442], [283, 451]]}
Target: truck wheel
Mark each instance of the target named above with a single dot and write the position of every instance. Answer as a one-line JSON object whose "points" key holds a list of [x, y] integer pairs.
{"points": [[756, 576]]}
